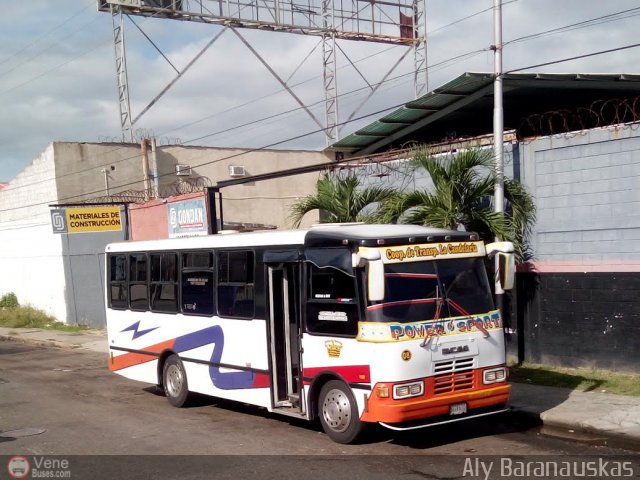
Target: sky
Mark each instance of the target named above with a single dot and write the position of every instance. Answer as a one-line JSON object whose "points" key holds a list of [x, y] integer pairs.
{"points": [[58, 75]]}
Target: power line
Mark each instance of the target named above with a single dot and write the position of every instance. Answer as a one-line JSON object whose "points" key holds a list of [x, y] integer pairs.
{"points": [[193, 123], [61, 64], [431, 67], [601, 52], [228, 157], [574, 26], [442, 64], [20, 85], [592, 54], [38, 54], [455, 22], [233, 128], [48, 32]]}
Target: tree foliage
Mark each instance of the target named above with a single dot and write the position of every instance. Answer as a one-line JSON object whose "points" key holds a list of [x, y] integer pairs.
{"points": [[9, 300], [461, 198], [343, 199]]}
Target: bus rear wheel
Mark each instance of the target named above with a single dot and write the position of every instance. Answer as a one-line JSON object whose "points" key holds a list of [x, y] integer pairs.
{"points": [[338, 412], [174, 381]]}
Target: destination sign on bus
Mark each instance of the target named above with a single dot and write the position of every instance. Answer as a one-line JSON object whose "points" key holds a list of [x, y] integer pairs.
{"points": [[413, 253], [443, 327]]}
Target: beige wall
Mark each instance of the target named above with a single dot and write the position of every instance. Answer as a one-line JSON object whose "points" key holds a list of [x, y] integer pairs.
{"points": [[78, 170], [79, 165], [31, 255], [265, 202]]}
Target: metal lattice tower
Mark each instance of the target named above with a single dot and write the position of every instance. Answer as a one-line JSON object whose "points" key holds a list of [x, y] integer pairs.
{"points": [[395, 22], [329, 74], [121, 73], [420, 74]]}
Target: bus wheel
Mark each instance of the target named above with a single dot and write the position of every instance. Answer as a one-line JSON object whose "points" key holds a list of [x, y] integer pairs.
{"points": [[174, 381], [338, 412]]}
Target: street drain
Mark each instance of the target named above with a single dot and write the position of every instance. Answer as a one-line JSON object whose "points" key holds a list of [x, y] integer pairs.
{"points": [[23, 432]]}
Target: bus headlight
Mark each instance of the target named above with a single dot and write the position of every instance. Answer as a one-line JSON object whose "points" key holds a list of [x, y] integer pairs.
{"points": [[408, 390], [494, 375]]}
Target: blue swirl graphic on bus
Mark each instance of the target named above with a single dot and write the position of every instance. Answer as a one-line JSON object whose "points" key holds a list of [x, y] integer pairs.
{"points": [[215, 335]]}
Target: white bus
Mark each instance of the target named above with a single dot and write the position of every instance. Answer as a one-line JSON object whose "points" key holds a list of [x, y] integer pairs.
{"points": [[352, 324]]}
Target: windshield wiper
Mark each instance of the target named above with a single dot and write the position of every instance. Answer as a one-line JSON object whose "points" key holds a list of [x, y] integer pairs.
{"points": [[439, 302]]}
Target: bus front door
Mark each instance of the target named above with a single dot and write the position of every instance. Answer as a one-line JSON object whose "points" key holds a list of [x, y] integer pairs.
{"points": [[284, 334]]}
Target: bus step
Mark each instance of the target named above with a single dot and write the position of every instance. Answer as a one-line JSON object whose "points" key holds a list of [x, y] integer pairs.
{"points": [[294, 398]]}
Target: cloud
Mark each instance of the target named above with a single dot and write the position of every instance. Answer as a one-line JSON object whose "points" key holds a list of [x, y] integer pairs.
{"points": [[58, 81]]}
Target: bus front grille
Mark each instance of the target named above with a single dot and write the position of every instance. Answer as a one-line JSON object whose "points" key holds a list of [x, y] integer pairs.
{"points": [[452, 366], [453, 382], [453, 376]]}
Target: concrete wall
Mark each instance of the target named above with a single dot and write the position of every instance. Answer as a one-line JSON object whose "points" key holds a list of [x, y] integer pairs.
{"points": [[265, 202], [63, 274], [79, 176], [588, 198], [31, 262], [79, 165], [579, 305], [83, 257]]}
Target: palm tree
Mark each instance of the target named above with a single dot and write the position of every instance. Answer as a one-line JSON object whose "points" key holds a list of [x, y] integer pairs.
{"points": [[343, 199], [462, 197]]}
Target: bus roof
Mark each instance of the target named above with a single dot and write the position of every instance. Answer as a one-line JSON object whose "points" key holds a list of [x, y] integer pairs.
{"points": [[374, 235], [319, 235]]}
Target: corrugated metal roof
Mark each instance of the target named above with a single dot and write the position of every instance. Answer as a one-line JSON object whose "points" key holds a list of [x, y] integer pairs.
{"points": [[464, 96]]}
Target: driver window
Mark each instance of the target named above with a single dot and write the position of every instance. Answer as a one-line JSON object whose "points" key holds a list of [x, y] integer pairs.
{"points": [[332, 306]]}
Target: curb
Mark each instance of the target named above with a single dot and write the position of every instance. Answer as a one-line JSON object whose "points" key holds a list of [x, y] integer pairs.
{"points": [[578, 433]]}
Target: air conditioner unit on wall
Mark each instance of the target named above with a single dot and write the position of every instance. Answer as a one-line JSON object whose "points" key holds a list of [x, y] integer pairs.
{"points": [[183, 170], [236, 171]]}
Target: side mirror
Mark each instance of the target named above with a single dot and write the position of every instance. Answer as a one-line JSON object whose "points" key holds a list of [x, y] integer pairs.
{"points": [[506, 270], [495, 247], [375, 278]]}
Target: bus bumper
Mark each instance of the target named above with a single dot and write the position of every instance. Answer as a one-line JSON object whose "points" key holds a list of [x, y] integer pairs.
{"points": [[435, 421], [388, 411]]}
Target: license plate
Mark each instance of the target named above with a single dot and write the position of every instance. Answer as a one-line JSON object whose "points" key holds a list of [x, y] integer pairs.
{"points": [[458, 409]]}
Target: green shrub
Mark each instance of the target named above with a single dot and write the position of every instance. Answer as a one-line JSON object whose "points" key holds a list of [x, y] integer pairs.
{"points": [[9, 300], [28, 317]]}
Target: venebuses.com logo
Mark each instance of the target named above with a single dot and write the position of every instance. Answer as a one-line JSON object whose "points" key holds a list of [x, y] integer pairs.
{"points": [[18, 467], [38, 467]]}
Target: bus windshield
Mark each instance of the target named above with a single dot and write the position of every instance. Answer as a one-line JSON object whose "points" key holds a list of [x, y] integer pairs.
{"points": [[428, 290]]}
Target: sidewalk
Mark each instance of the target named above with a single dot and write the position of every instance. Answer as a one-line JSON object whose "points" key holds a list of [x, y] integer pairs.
{"points": [[614, 419], [94, 340], [590, 416]]}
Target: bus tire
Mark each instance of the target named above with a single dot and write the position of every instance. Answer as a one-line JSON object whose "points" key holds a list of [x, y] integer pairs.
{"points": [[174, 382], [338, 412]]}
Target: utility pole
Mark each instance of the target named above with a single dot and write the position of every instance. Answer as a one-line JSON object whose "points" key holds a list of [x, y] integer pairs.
{"points": [[105, 171], [498, 132]]}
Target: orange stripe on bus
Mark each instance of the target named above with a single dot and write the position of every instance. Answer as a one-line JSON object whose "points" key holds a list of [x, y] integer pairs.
{"points": [[134, 358]]}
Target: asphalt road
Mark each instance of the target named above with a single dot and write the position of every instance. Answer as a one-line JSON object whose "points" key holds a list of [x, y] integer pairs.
{"points": [[83, 409]]}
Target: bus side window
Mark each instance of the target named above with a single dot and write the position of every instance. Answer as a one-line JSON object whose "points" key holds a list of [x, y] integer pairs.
{"points": [[197, 283], [235, 284], [138, 287], [164, 282], [332, 306], [118, 281]]}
